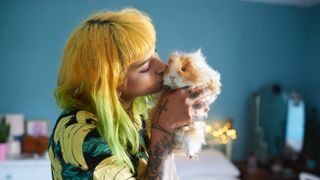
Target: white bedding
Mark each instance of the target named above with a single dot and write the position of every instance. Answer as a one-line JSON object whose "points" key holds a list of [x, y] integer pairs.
{"points": [[212, 164]]}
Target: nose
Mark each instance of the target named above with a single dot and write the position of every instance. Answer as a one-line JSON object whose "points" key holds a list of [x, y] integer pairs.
{"points": [[161, 68], [172, 77]]}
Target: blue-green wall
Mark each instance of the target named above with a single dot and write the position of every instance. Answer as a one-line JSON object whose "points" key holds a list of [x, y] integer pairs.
{"points": [[250, 44], [311, 80]]}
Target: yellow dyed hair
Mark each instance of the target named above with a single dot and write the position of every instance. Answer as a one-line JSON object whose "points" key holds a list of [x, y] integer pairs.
{"points": [[95, 59]]}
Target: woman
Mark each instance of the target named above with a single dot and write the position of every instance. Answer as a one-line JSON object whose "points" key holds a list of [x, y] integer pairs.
{"points": [[108, 73]]}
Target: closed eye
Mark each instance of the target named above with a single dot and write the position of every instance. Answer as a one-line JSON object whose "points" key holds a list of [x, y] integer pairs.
{"points": [[147, 62], [146, 70]]}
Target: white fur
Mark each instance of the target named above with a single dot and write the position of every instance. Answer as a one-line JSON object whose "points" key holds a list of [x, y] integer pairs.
{"points": [[169, 169], [192, 141]]}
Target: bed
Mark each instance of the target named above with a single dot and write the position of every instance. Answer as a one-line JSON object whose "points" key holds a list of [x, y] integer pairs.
{"points": [[212, 164]]}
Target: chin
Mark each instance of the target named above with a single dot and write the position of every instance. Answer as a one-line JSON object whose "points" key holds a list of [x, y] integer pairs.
{"points": [[156, 89], [160, 87]]}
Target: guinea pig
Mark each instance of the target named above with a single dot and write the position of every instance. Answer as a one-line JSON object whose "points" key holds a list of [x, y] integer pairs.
{"points": [[191, 69]]}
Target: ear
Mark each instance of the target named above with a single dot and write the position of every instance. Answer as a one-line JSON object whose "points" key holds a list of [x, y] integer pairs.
{"points": [[199, 55], [176, 53], [199, 52]]}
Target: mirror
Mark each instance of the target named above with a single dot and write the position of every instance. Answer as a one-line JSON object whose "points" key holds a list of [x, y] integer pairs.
{"points": [[276, 124], [295, 126]]}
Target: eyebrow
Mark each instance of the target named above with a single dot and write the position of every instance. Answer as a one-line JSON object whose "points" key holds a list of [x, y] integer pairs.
{"points": [[144, 62]]}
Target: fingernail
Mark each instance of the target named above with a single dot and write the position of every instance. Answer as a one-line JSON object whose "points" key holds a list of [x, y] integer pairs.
{"points": [[194, 95], [197, 106], [186, 87]]}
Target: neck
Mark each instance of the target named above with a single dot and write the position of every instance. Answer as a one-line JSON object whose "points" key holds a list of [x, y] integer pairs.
{"points": [[126, 101]]}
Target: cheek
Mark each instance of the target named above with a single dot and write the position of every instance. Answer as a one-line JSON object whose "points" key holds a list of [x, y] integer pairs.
{"points": [[141, 84], [137, 80]]}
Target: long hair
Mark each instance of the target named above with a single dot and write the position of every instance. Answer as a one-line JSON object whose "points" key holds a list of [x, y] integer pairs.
{"points": [[94, 63]]}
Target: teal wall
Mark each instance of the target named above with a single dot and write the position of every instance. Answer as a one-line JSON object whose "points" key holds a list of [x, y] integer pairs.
{"points": [[311, 80], [250, 44]]}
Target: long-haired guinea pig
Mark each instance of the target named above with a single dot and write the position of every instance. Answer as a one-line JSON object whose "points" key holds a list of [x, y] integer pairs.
{"points": [[191, 69]]}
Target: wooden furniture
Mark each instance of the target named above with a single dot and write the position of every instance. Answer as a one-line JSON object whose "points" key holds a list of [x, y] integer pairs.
{"points": [[290, 171]]}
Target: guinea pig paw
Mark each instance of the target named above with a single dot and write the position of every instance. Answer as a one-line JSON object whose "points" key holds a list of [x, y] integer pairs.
{"points": [[193, 157]]}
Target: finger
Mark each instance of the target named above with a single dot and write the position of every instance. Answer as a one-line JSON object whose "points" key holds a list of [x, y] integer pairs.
{"points": [[198, 105], [185, 125], [201, 104], [198, 96], [187, 90], [195, 92], [194, 95], [197, 117]]}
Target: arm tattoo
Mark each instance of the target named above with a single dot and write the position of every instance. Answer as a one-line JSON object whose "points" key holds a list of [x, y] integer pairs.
{"points": [[163, 107], [160, 150], [186, 87], [156, 124], [158, 153]]}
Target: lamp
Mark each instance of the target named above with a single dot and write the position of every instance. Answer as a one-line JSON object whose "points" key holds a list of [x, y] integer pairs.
{"points": [[221, 133]]}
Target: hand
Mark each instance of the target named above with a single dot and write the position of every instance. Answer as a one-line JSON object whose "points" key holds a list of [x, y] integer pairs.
{"points": [[179, 108]]}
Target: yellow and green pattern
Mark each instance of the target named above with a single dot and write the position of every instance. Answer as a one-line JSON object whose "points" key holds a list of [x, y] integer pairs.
{"points": [[77, 151]]}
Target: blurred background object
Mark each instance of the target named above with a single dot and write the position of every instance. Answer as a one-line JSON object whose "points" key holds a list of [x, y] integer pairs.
{"points": [[219, 135], [4, 136]]}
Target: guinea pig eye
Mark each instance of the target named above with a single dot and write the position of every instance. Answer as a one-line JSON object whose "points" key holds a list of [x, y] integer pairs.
{"points": [[183, 69]]}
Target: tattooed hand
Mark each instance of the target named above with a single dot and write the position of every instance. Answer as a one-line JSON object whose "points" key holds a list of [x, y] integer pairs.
{"points": [[175, 109]]}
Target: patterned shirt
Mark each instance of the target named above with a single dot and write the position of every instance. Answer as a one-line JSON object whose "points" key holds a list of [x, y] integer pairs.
{"points": [[77, 151]]}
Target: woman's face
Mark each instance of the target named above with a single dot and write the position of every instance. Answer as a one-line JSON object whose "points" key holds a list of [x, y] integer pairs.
{"points": [[144, 76]]}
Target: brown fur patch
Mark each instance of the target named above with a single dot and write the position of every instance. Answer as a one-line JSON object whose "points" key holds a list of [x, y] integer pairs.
{"points": [[214, 87], [190, 74]]}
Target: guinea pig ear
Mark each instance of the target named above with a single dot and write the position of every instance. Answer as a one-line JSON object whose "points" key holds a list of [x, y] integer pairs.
{"points": [[199, 51], [176, 53], [199, 55]]}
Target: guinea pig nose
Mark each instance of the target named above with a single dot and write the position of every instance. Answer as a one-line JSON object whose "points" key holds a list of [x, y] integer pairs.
{"points": [[172, 77]]}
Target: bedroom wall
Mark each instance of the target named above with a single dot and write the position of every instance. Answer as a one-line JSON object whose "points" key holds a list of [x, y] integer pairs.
{"points": [[311, 81], [250, 44]]}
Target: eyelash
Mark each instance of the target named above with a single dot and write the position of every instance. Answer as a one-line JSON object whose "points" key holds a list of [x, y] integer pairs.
{"points": [[144, 71]]}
